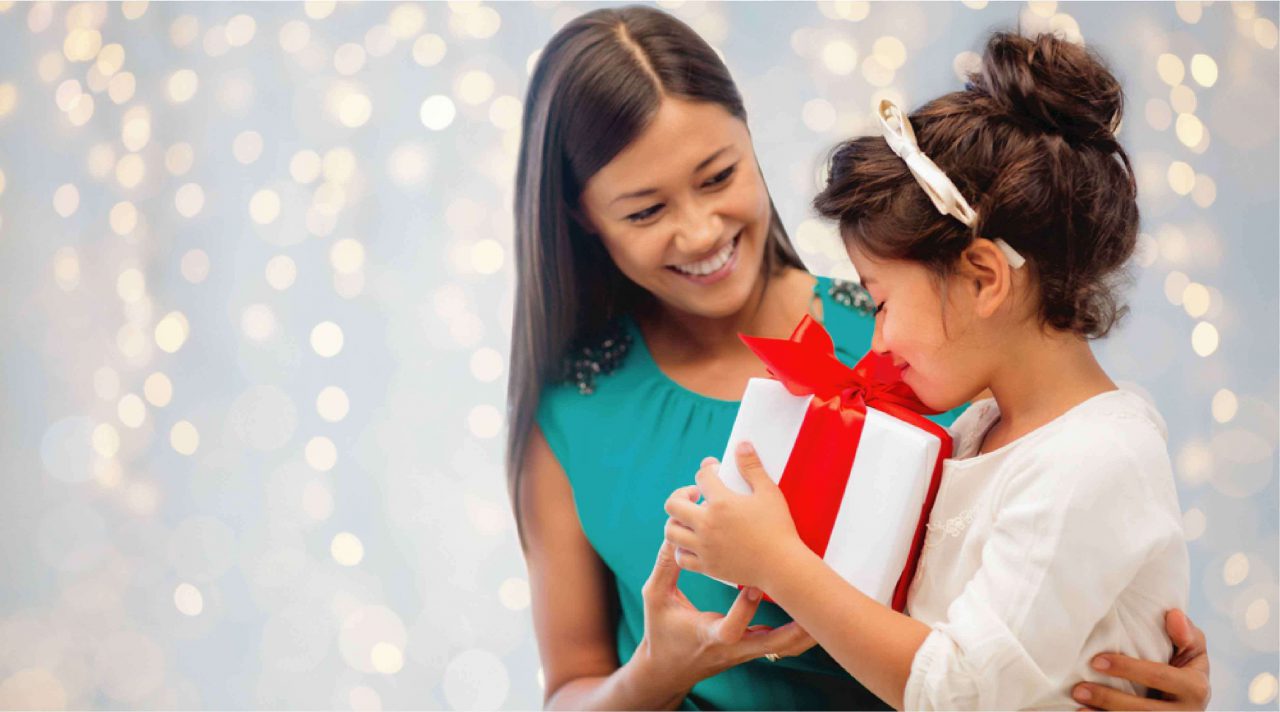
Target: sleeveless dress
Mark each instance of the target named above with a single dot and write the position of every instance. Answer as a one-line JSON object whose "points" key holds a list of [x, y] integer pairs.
{"points": [[626, 436]]}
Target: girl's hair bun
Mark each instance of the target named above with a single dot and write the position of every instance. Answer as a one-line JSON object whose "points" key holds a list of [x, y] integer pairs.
{"points": [[1031, 144], [1052, 84]]}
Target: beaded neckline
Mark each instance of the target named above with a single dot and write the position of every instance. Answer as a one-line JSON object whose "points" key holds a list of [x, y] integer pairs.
{"points": [[586, 363], [606, 353], [852, 295]]}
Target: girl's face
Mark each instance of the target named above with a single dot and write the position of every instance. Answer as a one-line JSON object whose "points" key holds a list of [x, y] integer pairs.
{"points": [[943, 341], [683, 210]]}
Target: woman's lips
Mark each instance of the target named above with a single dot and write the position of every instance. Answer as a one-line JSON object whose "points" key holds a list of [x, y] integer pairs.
{"points": [[718, 275]]}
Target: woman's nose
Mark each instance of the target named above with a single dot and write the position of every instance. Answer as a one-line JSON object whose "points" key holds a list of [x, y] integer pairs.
{"points": [[699, 229]]}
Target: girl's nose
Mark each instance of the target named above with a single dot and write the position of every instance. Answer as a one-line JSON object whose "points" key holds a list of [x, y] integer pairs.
{"points": [[877, 340]]}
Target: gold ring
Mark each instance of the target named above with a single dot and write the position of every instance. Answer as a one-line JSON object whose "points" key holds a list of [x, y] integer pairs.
{"points": [[772, 657]]}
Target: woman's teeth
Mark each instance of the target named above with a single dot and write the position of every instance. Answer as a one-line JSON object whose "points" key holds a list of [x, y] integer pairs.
{"points": [[711, 264]]}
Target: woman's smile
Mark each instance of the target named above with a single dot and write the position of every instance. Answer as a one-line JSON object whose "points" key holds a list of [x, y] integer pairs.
{"points": [[714, 268]]}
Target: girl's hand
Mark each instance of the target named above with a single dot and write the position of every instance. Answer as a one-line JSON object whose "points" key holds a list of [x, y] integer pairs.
{"points": [[683, 645], [1183, 684], [731, 536]]}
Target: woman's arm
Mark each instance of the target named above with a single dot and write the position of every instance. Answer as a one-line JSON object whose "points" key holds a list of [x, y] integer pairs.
{"points": [[1183, 683], [571, 598], [572, 603]]}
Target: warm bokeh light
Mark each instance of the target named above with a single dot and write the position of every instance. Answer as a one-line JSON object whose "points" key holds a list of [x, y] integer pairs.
{"points": [[259, 302]]}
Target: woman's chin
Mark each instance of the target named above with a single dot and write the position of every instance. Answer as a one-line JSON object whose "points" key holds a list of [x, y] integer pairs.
{"points": [[718, 299]]}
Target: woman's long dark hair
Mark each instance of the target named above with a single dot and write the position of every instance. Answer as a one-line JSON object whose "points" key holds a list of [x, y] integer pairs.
{"points": [[596, 86]]}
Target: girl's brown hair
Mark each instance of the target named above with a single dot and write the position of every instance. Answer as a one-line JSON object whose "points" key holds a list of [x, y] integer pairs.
{"points": [[1031, 144]]}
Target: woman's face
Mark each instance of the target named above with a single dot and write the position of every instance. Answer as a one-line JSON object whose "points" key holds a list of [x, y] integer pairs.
{"points": [[683, 210]]}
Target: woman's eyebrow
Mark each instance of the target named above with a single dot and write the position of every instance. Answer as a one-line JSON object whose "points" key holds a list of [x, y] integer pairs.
{"points": [[650, 191], [707, 161], [634, 194]]}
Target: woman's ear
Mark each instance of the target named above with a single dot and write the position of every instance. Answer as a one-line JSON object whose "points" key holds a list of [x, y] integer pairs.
{"points": [[579, 216], [986, 272]]}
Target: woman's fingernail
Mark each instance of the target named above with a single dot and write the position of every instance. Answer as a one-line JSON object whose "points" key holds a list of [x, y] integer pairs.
{"points": [[744, 448], [1101, 663], [1082, 693], [753, 593]]}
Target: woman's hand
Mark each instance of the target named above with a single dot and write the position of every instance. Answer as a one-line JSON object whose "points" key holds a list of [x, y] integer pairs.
{"points": [[683, 645], [731, 536], [1183, 684]]}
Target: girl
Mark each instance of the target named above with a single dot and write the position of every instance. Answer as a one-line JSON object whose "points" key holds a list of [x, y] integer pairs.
{"points": [[992, 266], [645, 241]]}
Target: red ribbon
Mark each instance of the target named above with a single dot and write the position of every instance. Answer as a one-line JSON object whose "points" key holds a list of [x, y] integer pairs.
{"points": [[818, 468]]}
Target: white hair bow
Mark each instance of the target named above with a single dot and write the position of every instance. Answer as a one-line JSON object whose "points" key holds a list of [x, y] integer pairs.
{"points": [[944, 194]]}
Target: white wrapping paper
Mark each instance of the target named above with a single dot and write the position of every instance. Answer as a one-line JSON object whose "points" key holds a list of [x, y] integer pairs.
{"points": [[880, 510]]}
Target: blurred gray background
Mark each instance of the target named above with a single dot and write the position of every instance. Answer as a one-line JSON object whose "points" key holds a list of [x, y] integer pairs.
{"points": [[256, 282]]}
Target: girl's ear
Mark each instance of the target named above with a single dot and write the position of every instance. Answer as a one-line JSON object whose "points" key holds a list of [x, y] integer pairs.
{"points": [[986, 271]]}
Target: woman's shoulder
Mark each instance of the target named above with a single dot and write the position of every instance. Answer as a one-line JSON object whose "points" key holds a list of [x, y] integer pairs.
{"points": [[590, 370], [589, 383]]}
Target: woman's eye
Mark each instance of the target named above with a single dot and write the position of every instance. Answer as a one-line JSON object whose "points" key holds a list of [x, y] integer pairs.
{"points": [[645, 214], [720, 177]]}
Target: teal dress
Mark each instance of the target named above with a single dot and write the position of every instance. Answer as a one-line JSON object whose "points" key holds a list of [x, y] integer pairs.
{"points": [[629, 437]]}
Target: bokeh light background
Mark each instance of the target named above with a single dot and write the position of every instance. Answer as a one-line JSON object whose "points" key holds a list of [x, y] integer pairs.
{"points": [[256, 279]]}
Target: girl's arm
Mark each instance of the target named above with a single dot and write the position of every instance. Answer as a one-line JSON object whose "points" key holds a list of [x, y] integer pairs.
{"points": [[873, 642], [752, 540], [1015, 635]]}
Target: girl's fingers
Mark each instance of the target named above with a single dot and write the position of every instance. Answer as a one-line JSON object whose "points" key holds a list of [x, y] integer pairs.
{"points": [[689, 492], [688, 560], [679, 506], [1105, 698], [680, 535], [709, 483]]}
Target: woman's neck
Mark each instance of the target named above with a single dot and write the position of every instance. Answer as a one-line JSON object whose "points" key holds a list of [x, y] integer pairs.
{"points": [[772, 309], [1041, 379]]}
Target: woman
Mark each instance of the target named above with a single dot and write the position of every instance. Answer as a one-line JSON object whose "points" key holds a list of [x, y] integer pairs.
{"points": [[646, 241]]}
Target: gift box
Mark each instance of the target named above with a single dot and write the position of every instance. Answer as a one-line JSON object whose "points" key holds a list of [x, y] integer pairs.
{"points": [[852, 452]]}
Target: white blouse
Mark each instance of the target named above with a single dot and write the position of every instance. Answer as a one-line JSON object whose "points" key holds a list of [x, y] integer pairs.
{"points": [[1060, 545]]}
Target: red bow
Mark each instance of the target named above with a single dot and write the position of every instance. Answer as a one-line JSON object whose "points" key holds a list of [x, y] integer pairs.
{"points": [[807, 365], [817, 471]]}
